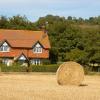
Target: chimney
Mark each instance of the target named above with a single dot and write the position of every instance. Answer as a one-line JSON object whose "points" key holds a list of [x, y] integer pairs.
{"points": [[43, 28]]}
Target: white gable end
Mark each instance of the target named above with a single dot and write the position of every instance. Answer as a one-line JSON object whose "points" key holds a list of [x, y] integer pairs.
{"points": [[5, 44], [22, 57], [4, 47], [37, 45]]}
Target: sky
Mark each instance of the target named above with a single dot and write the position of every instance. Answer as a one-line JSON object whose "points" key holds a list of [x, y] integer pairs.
{"points": [[33, 9]]}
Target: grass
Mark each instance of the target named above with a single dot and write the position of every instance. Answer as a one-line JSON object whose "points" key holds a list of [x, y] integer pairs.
{"points": [[41, 86]]}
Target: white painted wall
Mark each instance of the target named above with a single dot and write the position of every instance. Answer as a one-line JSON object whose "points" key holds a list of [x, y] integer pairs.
{"points": [[7, 61], [22, 57]]}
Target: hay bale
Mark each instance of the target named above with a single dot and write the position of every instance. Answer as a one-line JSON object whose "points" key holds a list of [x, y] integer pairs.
{"points": [[70, 73]]}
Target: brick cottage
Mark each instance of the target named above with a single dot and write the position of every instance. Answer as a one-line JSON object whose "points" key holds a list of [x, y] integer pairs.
{"points": [[20, 45]]}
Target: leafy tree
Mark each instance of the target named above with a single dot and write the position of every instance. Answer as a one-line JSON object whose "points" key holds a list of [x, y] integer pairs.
{"points": [[3, 22], [53, 55]]}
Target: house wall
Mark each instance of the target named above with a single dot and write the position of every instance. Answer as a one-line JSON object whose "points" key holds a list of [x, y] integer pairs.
{"points": [[15, 52], [33, 53], [7, 61], [36, 58]]}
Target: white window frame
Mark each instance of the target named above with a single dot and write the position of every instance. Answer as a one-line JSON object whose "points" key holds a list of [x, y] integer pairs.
{"points": [[36, 61], [4, 47], [37, 48]]}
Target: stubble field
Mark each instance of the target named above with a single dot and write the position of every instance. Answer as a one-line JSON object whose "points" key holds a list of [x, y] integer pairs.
{"points": [[41, 86]]}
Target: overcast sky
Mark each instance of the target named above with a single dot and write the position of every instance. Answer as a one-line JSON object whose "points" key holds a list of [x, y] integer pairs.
{"points": [[33, 9]]}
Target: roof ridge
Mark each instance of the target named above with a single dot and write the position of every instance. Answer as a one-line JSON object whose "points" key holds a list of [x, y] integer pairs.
{"points": [[21, 30]]}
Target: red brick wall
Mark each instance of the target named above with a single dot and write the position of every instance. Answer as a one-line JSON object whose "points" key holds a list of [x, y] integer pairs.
{"points": [[15, 52]]}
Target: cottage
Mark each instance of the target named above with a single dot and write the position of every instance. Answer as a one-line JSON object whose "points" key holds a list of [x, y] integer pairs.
{"points": [[21, 45]]}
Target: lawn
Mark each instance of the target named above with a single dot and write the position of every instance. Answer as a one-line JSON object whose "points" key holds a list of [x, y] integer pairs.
{"points": [[43, 86]]}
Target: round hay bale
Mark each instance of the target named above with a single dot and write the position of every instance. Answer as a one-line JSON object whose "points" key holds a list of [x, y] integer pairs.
{"points": [[70, 73]]}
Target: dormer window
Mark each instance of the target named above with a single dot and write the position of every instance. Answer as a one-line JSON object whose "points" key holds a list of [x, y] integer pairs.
{"points": [[4, 47], [37, 48]]}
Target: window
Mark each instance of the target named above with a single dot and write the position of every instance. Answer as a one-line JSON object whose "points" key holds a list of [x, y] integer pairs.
{"points": [[5, 60], [36, 61], [4, 47], [37, 48]]}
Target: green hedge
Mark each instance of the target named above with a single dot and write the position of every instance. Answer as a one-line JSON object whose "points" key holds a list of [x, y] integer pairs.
{"points": [[15, 68], [35, 68], [45, 68]]}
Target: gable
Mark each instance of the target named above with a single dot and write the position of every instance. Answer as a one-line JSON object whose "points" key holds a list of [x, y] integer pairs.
{"points": [[5, 44], [37, 44], [4, 47], [22, 57]]}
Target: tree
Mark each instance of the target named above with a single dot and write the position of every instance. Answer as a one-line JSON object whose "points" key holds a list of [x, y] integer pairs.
{"points": [[77, 55], [69, 18], [3, 22], [53, 55]]}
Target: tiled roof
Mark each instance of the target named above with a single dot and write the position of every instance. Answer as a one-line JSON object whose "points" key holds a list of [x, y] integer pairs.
{"points": [[24, 38]]}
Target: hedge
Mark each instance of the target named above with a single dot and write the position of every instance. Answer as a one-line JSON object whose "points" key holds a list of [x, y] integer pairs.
{"points": [[15, 68], [45, 68], [34, 68]]}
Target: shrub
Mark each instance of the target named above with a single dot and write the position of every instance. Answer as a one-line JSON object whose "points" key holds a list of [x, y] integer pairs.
{"points": [[33, 68], [45, 68], [86, 70], [46, 62], [14, 68]]}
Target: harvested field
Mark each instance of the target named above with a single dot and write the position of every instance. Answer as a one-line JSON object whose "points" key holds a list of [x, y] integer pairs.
{"points": [[40, 86]]}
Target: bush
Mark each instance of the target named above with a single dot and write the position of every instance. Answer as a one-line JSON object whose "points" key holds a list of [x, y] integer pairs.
{"points": [[32, 68], [86, 70], [14, 68], [45, 68], [46, 62]]}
